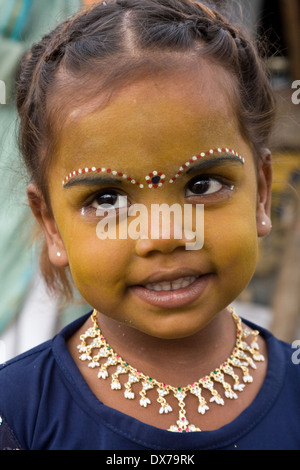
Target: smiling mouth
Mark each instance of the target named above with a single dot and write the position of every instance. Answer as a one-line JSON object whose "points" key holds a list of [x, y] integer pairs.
{"points": [[174, 293], [177, 284]]}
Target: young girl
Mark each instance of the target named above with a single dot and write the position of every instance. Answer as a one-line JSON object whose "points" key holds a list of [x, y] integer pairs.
{"points": [[137, 103]]}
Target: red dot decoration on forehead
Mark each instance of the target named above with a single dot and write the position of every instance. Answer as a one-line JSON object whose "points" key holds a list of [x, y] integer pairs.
{"points": [[93, 169], [154, 179], [202, 155]]}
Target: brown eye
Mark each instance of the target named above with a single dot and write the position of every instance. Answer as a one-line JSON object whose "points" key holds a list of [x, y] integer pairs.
{"points": [[202, 186], [109, 198]]}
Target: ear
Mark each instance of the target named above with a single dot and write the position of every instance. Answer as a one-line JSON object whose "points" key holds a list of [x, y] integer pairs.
{"points": [[264, 194], [56, 251]]}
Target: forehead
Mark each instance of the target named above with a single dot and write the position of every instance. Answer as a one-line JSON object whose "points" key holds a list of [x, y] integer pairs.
{"points": [[152, 121]]}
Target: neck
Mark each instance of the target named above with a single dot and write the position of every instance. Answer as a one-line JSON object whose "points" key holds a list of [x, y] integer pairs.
{"points": [[170, 360]]}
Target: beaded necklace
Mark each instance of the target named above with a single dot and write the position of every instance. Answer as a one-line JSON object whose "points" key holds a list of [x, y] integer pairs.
{"points": [[242, 357]]}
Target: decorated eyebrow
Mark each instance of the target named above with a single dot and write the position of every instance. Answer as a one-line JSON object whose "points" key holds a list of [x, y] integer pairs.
{"points": [[154, 179]]}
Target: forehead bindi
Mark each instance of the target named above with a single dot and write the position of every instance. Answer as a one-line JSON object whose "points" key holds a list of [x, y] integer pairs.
{"points": [[154, 179], [154, 125]]}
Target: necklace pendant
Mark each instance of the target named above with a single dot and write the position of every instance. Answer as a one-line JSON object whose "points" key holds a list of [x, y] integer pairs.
{"points": [[164, 406], [183, 425], [188, 428]]}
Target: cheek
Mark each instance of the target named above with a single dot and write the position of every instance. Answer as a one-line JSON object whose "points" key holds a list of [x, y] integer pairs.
{"points": [[96, 263], [241, 255], [233, 243]]}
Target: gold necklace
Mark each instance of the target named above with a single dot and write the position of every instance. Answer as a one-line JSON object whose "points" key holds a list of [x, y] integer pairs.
{"points": [[242, 357]]}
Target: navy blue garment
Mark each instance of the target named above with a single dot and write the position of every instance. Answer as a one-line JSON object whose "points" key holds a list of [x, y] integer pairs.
{"points": [[46, 404]]}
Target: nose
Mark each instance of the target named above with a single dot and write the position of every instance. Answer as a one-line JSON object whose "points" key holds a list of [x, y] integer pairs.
{"points": [[146, 246]]}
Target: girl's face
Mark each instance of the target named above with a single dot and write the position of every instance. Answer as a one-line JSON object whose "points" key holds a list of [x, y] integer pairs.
{"points": [[157, 126]]}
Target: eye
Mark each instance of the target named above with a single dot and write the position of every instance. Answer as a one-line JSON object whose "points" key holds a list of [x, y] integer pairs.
{"points": [[104, 202], [203, 186], [111, 198]]}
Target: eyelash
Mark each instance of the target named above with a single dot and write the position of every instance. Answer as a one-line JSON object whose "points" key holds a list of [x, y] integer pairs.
{"points": [[224, 183], [89, 207], [201, 180]]}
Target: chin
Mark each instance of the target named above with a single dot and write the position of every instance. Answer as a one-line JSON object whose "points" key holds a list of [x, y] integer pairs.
{"points": [[171, 329]]}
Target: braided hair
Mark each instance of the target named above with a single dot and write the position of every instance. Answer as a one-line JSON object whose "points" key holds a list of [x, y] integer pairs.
{"points": [[114, 41]]}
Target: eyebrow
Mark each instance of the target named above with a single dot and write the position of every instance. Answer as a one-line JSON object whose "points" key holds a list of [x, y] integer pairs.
{"points": [[155, 178], [207, 164], [91, 181]]}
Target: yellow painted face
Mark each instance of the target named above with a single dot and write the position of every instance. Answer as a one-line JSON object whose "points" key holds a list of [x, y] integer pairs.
{"points": [[156, 285]]}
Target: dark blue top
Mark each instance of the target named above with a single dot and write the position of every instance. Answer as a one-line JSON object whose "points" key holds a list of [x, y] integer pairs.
{"points": [[46, 404]]}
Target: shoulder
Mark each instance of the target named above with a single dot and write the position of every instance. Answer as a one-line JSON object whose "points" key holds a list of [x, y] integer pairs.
{"points": [[16, 369], [277, 348], [284, 354], [22, 374], [283, 365], [291, 360], [21, 385], [283, 375], [30, 383], [38, 361]]}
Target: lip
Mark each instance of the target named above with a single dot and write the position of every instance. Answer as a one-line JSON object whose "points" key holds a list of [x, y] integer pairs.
{"points": [[169, 276], [174, 298]]}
